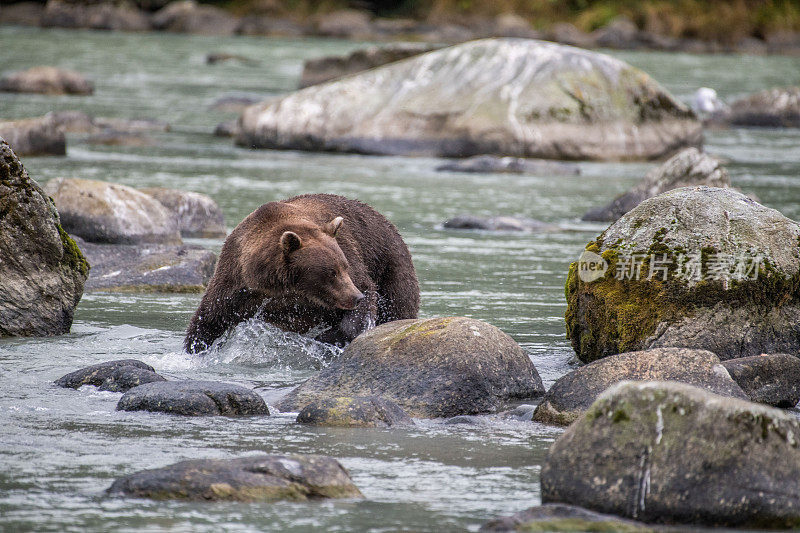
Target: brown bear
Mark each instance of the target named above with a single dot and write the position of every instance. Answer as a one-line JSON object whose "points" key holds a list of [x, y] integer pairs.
{"points": [[317, 260]]}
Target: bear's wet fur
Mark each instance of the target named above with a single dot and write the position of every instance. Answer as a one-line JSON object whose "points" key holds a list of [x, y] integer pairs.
{"points": [[309, 261]]}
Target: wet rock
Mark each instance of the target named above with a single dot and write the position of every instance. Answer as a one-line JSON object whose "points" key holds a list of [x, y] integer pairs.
{"points": [[499, 223], [687, 168], [695, 267], [120, 138], [187, 16], [46, 80], [783, 42], [560, 517], [512, 25], [439, 367], [575, 392], [114, 376], [522, 412], [772, 108], [198, 214], [80, 122], [316, 71], [248, 479], [358, 411], [672, 453], [34, 136], [148, 268], [234, 103], [509, 165], [566, 33], [72, 121], [772, 379], [22, 14], [621, 34], [467, 420], [96, 16], [224, 57], [42, 271], [266, 25], [515, 97], [103, 212], [229, 128], [348, 23], [193, 398]]}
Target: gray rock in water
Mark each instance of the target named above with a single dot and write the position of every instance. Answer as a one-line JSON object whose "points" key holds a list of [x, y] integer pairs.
{"points": [[498, 224], [148, 268], [98, 211], [113, 376], [695, 267], [575, 392], [234, 103], [46, 80], [229, 128], [34, 136], [255, 478], [687, 168], [772, 108], [223, 57], [96, 16], [120, 138], [198, 214], [349, 23], [354, 411], [193, 398], [187, 16], [516, 97], [80, 122], [510, 165], [124, 125], [21, 14], [439, 367], [772, 379], [316, 71], [671, 453], [72, 121], [42, 271], [522, 412], [560, 517]]}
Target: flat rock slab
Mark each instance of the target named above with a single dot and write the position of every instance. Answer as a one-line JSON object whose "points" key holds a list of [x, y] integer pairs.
{"points": [[439, 367], [671, 453], [358, 411], [558, 517], [34, 136], [247, 479], [575, 392], [46, 80], [510, 165], [193, 398], [114, 376], [498, 223], [148, 267], [772, 379]]}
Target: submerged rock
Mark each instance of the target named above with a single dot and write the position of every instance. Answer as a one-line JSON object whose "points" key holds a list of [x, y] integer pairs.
{"points": [[46, 80], [193, 398], [516, 97], [248, 479], [80, 122], [223, 57], [99, 211], [672, 453], [187, 16], [575, 392], [96, 16], [234, 103], [42, 271], [695, 267], [439, 367], [198, 214], [772, 108], [687, 168], [120, 138], [148, 268], [114, 376], [34, 136], [560, 517], [772, 379], [316, 71], [498, 224], [355, 411], [229, 128], [509, 165]]}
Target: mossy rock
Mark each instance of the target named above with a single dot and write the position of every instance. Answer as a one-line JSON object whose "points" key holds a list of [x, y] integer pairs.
{"points": [[437, 367], [667, 452], [740, 300], [260, 478], [357, 411]]}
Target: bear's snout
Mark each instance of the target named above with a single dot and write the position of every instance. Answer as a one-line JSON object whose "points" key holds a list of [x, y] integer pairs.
{"points": [[352, 301]]}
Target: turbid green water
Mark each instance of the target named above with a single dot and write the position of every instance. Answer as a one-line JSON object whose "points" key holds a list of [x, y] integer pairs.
{"points": [[60, 449]]}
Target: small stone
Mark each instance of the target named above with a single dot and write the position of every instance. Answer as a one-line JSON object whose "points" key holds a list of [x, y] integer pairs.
{"points": [[98, 374], [193, 398]]}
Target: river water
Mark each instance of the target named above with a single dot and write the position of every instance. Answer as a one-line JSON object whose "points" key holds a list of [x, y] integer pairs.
{"points": [[60, 449]]}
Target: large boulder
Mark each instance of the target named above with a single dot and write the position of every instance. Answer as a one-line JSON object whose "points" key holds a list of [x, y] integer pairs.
{"points": [[439, 367], [114, 376], [773, 379], [248, 479], [316, 71], [148, 267], [695, 267], [187, 16], [514, 97], [46, 80], [575, 392], [354, 411], [773, 108], [98, 211], [672, 453], [193, 398], [34, 136], [198, 214], [96, 16], [687, 168], [42, 271]]}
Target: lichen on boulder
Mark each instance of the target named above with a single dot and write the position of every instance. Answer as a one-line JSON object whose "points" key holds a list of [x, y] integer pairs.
{"points": [[695, 267]]}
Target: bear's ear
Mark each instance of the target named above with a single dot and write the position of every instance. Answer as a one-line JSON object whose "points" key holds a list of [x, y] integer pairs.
{"points": [[290, 242], [332, 227]]}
